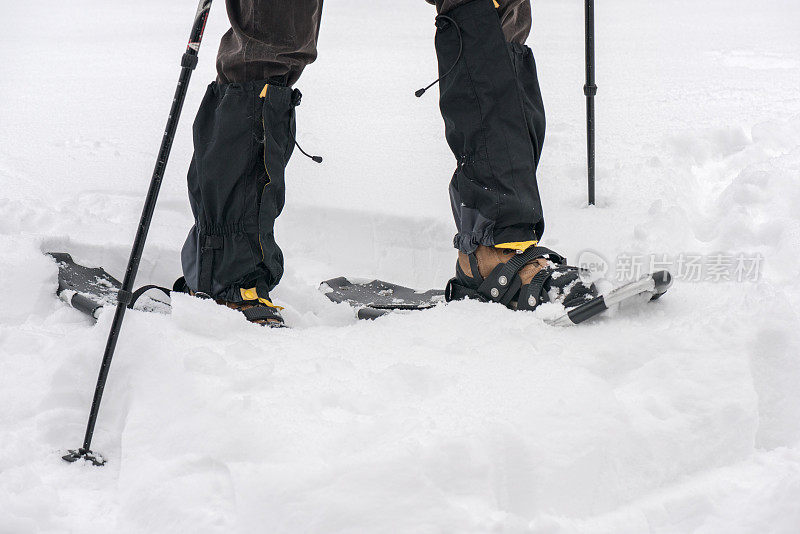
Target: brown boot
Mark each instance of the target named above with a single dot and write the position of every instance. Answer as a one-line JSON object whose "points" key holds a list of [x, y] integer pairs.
{"points": [[257, 312], [518, 279], [490, 257]]}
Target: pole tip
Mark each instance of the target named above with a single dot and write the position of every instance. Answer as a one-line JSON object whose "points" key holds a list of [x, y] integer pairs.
{"points": [[73, 456]]}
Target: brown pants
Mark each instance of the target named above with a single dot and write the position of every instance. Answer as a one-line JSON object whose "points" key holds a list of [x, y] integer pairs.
{"points": [[276, 39]]}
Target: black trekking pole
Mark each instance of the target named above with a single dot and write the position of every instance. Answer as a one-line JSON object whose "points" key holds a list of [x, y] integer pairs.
{"points": [[188, 63], [590, 89]]}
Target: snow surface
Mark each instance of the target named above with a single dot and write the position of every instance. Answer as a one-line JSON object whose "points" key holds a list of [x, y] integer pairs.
{"points": [[676, 417]]}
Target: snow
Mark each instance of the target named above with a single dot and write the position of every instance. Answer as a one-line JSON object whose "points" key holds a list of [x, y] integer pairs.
{"points": [[681, 416]]}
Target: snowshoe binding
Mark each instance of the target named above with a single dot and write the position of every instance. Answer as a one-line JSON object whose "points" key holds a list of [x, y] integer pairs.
{"points": [[518, 279]]}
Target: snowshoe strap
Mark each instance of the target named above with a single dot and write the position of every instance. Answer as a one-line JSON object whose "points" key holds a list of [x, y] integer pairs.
{"points": [[142, 290], [533, 294], [473, 267], [474, 278], [503, 282], [511, 292], [260, 313], [455, 290], [180, 285]]}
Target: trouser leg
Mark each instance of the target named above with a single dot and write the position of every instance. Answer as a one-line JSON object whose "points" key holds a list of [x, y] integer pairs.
{"points": [[268, 39], [494, 122], [515, 16], [243, 139]]}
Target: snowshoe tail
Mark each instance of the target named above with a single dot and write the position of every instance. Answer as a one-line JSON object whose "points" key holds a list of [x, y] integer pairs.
{"points": [[90, 289], [375, 298]]}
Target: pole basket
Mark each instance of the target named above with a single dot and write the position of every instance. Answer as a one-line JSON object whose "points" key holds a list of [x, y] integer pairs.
{"points": [[84, 454]]}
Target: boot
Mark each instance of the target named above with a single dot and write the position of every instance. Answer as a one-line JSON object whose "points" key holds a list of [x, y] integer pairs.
{"points": [[255, 309], [518, 279], [258, 311]]}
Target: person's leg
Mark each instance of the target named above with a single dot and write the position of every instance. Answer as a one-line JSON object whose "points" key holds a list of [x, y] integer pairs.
{"points": [[494, 122], [268, 39], [495, 125], [243, 138], [515, 16]]}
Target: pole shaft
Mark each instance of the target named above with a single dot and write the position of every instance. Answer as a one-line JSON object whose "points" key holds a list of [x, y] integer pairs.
{"points": [[590, 89], [188, 63]]}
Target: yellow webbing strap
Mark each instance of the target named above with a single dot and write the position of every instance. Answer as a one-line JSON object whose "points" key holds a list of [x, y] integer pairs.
{"points": [[252, 294], [517, 245]]}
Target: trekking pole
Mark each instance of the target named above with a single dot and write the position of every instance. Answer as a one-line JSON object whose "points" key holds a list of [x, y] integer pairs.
{"points": [[188, 63], [590, 89]]}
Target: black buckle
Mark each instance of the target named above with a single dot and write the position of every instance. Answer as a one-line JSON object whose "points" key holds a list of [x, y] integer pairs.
{"points": [[297, 96], [124, 297], [189, 61]]}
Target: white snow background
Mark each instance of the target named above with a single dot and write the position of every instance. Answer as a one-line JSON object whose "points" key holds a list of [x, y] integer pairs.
{"points": [[680, 416]]}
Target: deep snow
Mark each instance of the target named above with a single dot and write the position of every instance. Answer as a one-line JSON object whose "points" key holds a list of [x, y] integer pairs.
{"points": [[681, 416]]}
